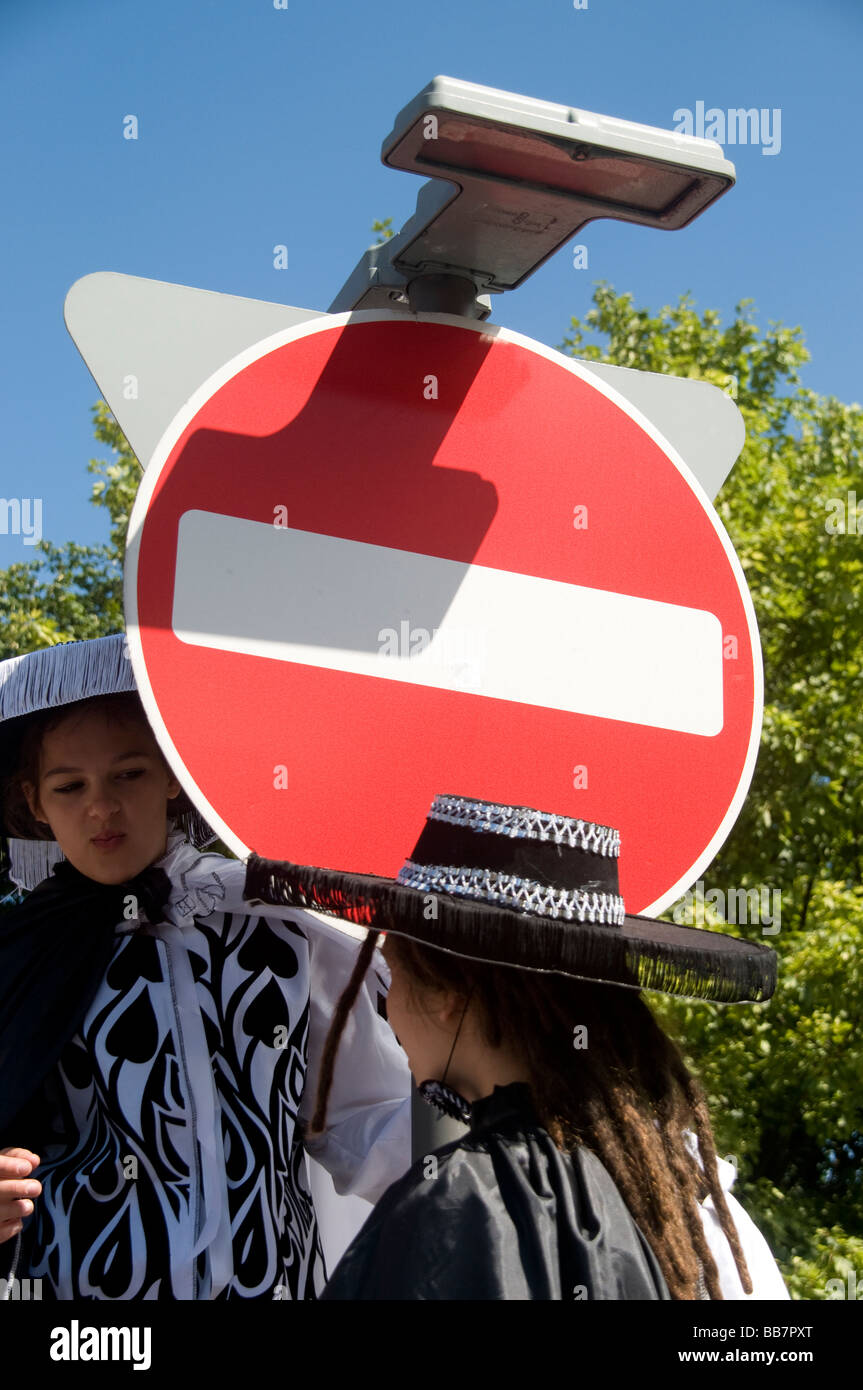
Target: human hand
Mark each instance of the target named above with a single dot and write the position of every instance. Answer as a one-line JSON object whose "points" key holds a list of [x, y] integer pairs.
{"points": [[17, 1189]]}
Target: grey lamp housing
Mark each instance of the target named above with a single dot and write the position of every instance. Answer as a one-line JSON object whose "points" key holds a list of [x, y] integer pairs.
{"points": [[522, 177]]}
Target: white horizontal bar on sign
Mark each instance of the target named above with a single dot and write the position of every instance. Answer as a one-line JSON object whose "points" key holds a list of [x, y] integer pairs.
{"points": [[289, 595]]}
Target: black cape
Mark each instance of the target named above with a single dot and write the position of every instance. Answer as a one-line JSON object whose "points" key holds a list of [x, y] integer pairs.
{"points": [[55, 947], [501, 1214]]}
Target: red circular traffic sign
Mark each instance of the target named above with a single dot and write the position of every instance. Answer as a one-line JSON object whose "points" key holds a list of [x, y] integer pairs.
{"points": [[380, 557]]}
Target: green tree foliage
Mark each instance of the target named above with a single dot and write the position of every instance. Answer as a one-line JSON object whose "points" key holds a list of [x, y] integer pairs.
{"points": [[117, 484], [383, 230], [71, 592], [785, 1078]]}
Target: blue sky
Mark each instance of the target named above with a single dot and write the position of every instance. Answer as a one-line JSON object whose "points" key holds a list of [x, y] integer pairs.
{"points": [[260, 126]]}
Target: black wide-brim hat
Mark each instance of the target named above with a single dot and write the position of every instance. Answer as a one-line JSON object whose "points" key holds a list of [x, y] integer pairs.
{"points": [[510, 885]]}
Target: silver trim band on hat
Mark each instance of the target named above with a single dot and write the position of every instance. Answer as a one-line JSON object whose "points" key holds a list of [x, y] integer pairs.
{"points": [[509, 890], [520, 822]]}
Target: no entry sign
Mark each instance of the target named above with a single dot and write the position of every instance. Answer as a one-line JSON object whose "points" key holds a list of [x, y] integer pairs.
{"points": [[379, 557]]}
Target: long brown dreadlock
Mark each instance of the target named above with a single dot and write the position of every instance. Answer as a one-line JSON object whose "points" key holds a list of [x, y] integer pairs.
{"points": [[627, 1095], [334, 1035]]}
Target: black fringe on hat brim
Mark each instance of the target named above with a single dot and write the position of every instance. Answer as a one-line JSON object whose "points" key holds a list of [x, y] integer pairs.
{"points": [[642, 954]]}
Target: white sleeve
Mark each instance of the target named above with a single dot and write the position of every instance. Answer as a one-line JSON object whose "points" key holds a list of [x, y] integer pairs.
{"points": [[767, 1282], [367, 1142]]}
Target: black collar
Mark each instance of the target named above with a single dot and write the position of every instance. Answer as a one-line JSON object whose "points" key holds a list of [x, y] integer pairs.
{"points": [[514, 1101]]}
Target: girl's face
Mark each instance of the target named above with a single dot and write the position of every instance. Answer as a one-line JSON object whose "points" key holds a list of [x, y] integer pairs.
{"points": [[103, 790]]}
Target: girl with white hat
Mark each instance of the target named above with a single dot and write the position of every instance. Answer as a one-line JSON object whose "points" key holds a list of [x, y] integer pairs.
{"points": [[159, 1040]]}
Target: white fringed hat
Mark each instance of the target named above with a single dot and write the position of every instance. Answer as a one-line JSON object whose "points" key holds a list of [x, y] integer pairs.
{"points": [[47, 679]]}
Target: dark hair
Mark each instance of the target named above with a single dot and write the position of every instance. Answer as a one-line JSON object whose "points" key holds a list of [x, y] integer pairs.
{"points": [[627, 1095], [24, 747]]}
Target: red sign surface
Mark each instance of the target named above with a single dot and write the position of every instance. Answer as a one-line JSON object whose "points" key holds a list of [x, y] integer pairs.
{"points": [[378, 558]]}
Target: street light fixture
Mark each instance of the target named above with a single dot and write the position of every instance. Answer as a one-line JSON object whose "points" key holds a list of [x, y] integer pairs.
{"points": [[522, 177]]}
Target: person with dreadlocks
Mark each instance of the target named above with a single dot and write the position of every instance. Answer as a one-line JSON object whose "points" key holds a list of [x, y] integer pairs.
{"points": [[589, 1169]]}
